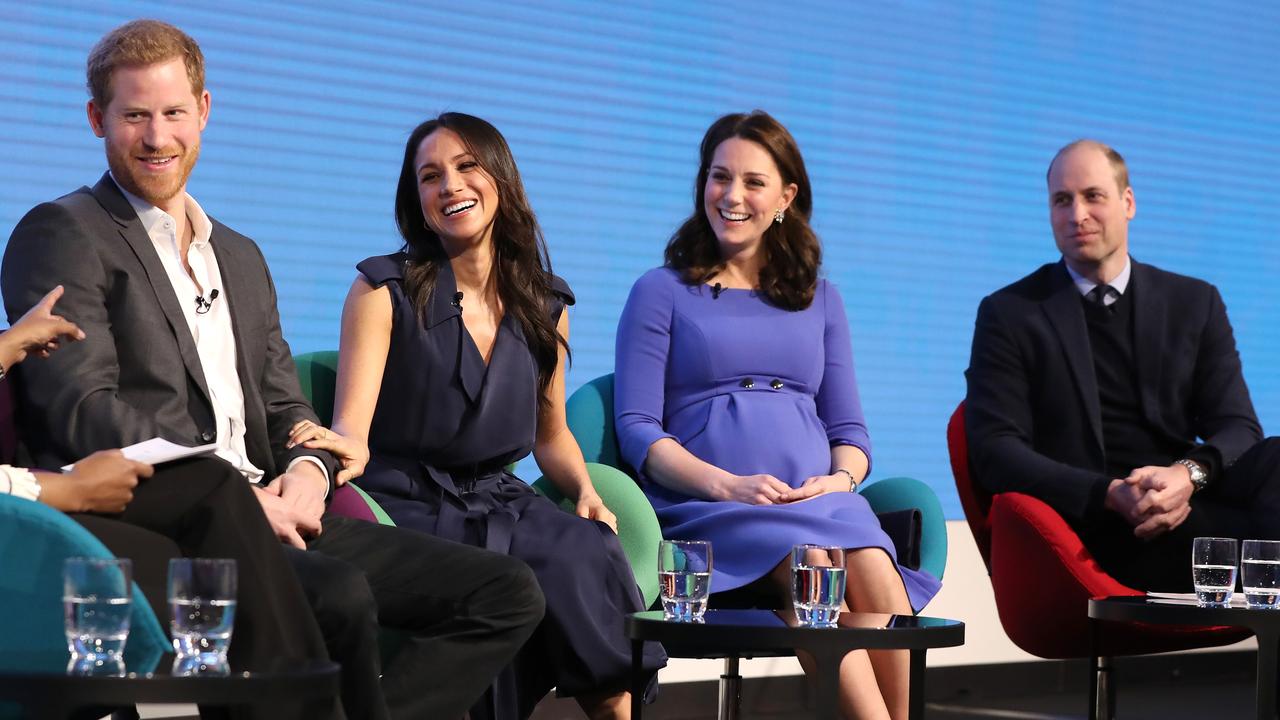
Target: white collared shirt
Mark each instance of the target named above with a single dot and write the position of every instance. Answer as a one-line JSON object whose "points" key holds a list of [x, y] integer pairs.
{"points": [[211, 327], [1119, 284]]}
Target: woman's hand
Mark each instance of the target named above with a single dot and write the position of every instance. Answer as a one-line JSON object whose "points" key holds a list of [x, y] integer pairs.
{"points": [[817, 485], [591, 507], [754, 489], [37, 332], [352, 455]]}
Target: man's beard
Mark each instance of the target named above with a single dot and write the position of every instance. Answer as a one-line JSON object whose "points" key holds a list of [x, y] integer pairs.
{"points": [[156, 190]]}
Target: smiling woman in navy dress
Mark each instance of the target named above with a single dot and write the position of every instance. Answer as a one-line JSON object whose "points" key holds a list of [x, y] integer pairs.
{"points": [[735, 395], [451, 368]]}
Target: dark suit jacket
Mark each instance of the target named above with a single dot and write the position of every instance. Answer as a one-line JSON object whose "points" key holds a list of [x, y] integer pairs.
{"points": [[137, 375], [1033, 414]]}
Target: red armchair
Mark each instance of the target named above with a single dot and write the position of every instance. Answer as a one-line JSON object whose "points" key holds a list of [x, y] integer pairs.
{"points": [[1043, 579]]}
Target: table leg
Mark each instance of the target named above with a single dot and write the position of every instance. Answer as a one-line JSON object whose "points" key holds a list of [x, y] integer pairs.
{"points": [[826, 676], [1265, 685], [637, 678], [915, 703]]}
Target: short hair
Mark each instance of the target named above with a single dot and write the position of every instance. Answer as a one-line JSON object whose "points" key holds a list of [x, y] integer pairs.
{"points": [[139, 43], [1118, 166]]}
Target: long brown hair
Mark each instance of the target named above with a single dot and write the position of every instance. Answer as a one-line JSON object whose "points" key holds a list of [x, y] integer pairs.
{"points": [[521, 267], [792, 254]]}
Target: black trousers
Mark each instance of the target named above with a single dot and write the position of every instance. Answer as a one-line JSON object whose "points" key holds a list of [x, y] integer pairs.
{"points": [[1243, 503], [462, 613], [204, 508]]}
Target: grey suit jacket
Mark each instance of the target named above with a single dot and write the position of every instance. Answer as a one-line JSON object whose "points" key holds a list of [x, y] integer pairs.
{"points": [[137, 375]]}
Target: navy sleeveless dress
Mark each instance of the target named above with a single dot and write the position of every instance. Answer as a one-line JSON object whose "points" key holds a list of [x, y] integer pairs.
{"points": [[443, 432]]}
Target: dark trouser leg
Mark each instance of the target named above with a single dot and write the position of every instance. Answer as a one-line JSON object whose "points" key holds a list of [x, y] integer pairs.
{"points": [[344, 608], [465, 611], [210, 510], [149, 551]]}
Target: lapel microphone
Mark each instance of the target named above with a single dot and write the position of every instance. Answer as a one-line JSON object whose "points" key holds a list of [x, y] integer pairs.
{"points": [[203, 306], [715, 291], [457, 300]]}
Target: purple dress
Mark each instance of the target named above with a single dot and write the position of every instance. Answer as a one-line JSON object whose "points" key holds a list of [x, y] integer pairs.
{"points": [[750, 388]]}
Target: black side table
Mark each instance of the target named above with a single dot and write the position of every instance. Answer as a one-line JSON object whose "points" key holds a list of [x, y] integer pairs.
{"points": [[54, 696], [1264, 624], [761, 633]]}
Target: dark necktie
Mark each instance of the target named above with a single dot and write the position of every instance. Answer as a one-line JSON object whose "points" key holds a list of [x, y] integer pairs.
{"points": [[1098, 296]]}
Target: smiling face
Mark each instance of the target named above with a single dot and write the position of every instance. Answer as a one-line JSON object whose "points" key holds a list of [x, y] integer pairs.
{"points": [[1089, 212], [152, 129], [744, 191], [459, 198]]}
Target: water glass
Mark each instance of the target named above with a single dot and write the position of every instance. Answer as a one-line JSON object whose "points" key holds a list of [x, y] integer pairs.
{"points": [[817, 584], [1213, 570], [684, 575], [202, 606], [1260, 573], [97, 600]]}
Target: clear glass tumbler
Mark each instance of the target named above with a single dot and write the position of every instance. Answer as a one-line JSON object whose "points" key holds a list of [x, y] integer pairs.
{"points": [[1260, 573], [817, 584], [97, 600], [1213, 570], [202, 606], [684, 575]]}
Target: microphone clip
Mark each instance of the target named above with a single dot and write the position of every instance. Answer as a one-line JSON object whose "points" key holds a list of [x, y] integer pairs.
{"points": [[203, 306], [716, 290]]}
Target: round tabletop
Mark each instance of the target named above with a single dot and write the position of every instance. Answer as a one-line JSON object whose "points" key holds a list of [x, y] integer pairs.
{"points": [[302, 680], [1181, 611], [763, 632]]}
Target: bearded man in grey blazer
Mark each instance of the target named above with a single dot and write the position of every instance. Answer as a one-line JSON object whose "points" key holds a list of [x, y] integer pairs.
{"points": [[183, 341]]}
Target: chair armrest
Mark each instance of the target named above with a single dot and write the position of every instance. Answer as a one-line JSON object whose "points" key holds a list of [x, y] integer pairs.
{"points": [[638, 529], [904, 493]]}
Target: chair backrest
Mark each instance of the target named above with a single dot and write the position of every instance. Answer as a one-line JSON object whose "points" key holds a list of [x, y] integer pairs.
{"points": [[318, 375], [975, 501], [590, 416]]}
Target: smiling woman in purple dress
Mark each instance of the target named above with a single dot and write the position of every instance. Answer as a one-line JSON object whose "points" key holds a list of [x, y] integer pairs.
{"points": [[736, 401]]}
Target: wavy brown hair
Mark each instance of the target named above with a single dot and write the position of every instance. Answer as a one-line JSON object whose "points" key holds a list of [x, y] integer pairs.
{"points": [[792, 254], [521, 267]]}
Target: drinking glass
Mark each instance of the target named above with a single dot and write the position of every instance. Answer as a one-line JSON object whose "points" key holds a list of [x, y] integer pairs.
{"points": [[1213, 570], [96, 603], [817, 584], [684, 574], [202, 605], [1260, 573]]}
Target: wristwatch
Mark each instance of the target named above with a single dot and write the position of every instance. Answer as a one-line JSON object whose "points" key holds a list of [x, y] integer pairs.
{"points": [[1199, 478]]}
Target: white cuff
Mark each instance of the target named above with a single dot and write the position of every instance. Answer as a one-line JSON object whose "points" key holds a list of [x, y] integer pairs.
{"points": [[316, 461], [19, 482]]}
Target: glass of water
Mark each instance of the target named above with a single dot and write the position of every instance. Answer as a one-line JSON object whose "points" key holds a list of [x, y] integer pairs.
{"points": [[1260, 573], [1213, 570], [817, 584], [202, 606], [684, 574], [97, 600]]}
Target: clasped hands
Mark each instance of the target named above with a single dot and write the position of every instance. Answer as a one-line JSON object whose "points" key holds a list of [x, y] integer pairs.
{"points": [[765, 489], [1154, 499]]}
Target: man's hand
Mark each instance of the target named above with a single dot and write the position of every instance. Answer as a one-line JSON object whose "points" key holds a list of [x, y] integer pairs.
{"points": [[591, 507], [1166, 498], [352, 454], [815, 486], [38, 332], [102, 482], [294, 502], [754, 489], [1122, 499]]}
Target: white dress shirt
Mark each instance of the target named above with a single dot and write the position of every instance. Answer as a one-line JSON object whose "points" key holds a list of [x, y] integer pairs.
{"points": [[1119, 284]]}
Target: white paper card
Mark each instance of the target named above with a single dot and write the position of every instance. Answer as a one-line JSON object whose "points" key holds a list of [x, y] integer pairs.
{"points": [[158, 450]]}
